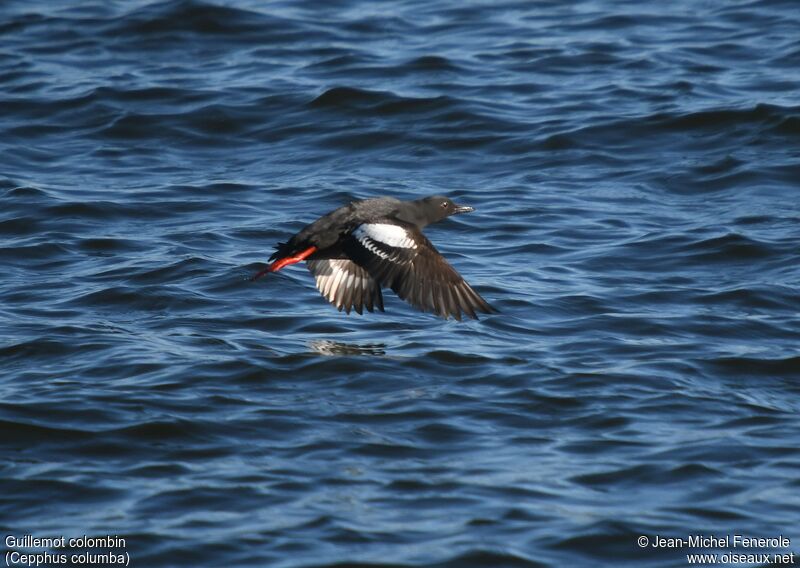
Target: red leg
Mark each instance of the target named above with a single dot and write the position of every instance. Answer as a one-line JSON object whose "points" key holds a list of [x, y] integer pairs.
{"points": [[286, 261]]}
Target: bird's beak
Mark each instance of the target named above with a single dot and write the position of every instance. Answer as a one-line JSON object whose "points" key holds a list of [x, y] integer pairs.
{"points": [[463, 209]]}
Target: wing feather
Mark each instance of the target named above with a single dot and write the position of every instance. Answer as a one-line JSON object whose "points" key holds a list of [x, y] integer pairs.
{"points": [[408, 263], [346, 285]]}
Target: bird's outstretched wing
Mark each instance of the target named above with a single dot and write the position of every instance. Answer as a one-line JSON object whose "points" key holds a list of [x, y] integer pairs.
{"points": [[346, 285], [399, 256]]}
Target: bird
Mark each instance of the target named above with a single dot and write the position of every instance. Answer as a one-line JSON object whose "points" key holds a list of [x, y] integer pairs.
{"points": [[370, 244]]}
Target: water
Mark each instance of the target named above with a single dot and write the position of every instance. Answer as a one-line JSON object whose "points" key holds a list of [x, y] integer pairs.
{"points": [[634, 169]]}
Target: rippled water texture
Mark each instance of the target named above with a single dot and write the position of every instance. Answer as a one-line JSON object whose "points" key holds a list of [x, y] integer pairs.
{"points": [[635, 169]]}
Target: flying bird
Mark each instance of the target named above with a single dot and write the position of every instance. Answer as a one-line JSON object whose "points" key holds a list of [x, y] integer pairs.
{"points": [[356, 249]]}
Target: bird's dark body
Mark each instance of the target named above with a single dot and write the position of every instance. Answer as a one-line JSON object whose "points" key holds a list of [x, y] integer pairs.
{"points": [[325, 232], [356, 249]]}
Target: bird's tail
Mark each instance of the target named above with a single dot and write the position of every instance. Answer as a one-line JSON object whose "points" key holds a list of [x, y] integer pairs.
{"points": [[279, 261]]}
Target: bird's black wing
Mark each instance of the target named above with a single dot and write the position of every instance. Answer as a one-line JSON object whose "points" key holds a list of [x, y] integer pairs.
{"points": [[346, 285], [399, 256]]}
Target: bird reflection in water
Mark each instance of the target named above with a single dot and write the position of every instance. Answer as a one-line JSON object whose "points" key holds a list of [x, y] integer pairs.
{"points": [[331, 347]]}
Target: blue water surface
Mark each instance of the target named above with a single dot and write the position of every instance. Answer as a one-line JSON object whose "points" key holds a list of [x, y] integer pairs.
{"points": [[635, 169]]}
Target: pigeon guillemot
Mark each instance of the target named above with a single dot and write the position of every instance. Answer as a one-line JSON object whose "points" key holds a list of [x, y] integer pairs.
{"points": [[370, 243]]}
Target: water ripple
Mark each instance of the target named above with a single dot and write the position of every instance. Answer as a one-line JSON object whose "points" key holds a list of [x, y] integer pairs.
{"points": [[634, 173]]}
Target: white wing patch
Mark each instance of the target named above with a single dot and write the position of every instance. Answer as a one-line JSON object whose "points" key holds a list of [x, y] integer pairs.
{"points": [[384, 233]]}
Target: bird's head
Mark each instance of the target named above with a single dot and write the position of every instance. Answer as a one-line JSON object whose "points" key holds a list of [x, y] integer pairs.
{"points": [[435, 208]]}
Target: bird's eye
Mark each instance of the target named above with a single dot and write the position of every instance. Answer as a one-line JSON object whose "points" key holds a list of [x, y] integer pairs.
{"points": [[444, 204]]}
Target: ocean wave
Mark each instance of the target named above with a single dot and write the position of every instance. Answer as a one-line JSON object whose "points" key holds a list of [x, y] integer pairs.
{"points": [[635, 224]]}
